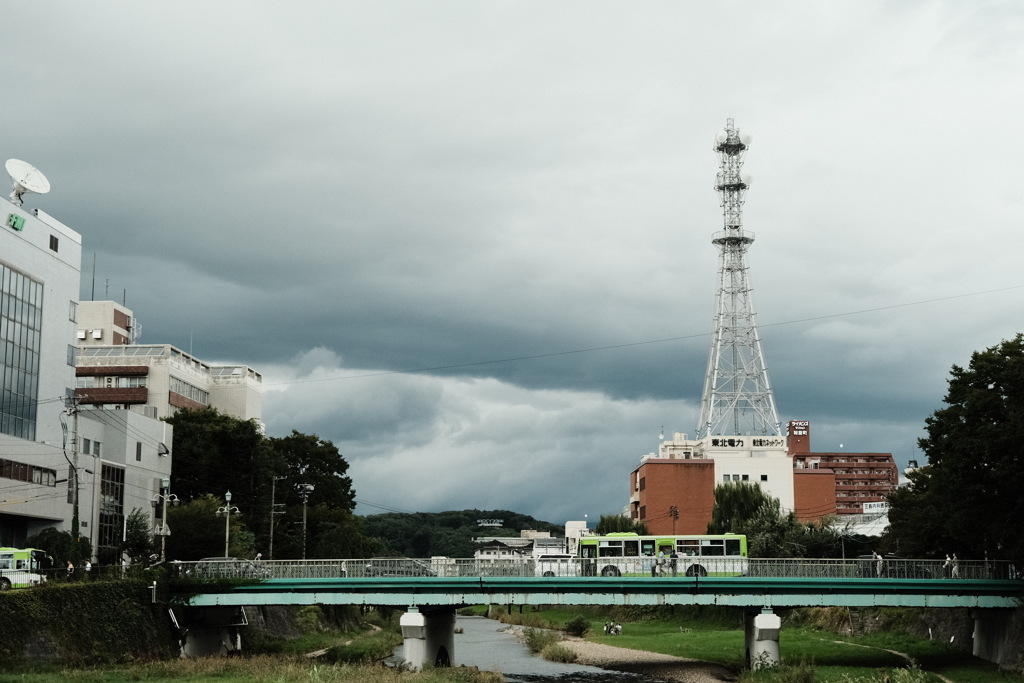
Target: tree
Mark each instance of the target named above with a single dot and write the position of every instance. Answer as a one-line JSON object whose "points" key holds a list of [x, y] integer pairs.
{"points": [[138, 544], [973, 482], [60, 545], [610, 524], [736, 503], [197, 531]]}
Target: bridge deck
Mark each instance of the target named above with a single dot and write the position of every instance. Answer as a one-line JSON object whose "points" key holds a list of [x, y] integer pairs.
{"points": [[741, 591]]}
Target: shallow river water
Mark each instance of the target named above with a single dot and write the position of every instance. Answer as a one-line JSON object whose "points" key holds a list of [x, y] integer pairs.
{"points": [[485, 644]]}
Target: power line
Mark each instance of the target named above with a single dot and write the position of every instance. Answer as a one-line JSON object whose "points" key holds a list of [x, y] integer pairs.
{"points": [[553, 354]]}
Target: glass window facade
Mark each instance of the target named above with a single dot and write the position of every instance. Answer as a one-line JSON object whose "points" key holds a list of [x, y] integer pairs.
{"points": [[111, 521], [21, 319]]}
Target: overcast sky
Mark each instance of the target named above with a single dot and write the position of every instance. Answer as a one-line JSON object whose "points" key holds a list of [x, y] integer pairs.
{"points": [[470, 242]]}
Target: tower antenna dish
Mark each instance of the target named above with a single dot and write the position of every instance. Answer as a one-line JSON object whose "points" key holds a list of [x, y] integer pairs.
{"points": [[25, 178]]}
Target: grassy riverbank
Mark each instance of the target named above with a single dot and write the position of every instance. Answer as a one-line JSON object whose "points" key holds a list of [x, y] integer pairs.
{"points": [[809, 654], [258, 668]]}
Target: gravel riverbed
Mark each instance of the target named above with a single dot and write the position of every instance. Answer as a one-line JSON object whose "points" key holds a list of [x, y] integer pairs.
{"points": [[652, 664]]}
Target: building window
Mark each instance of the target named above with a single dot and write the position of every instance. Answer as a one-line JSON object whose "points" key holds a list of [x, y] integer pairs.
{"points": [[54, 243], [726, 477], [138, 451], [71, 355], [85, 446], [111, 514], [764, 477], [189, 391], [96, 449], [746, 477], [73, 312], [21, 319]]}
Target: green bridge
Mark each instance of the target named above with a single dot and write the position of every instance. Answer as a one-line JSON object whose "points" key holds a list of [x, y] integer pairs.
{"points": [[431, 591]]}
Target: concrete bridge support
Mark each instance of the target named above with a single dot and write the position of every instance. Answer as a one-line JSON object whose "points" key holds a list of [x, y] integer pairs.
{"points": [[762, 631], [428, 637], [992, 633]]}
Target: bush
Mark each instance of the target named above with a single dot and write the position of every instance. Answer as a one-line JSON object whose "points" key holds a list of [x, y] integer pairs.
{"points": [[538, 639], [578, 626], [556, 652]]}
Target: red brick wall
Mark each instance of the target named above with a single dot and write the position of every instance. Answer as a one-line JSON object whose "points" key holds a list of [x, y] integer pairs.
{"points": [[687, 484], [814, 492]]}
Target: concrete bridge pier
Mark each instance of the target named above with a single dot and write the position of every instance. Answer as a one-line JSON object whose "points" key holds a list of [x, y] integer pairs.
{"points": [[992, 633], [428, 637], [762, 637]]}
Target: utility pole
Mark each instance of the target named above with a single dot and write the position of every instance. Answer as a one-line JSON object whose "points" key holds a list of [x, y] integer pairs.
{"points": [[273, 511], [76, 524], [673, 512], [304, 490]]}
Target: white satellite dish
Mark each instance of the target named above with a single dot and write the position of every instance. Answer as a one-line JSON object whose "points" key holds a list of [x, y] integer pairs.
{"points": [[26, 178], [745, 138], [721, 137]]}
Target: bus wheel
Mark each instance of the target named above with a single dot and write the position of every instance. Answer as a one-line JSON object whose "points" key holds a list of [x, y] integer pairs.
{"points": [[5, 583], [549, 574], [696, 570], [611, 571]]}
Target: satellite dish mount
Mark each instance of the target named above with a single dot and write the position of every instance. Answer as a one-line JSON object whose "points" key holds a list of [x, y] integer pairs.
{"points": [[25, 178]]}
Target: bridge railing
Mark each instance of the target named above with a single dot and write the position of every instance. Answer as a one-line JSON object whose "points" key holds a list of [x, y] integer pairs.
{"points": [[567, 566]]}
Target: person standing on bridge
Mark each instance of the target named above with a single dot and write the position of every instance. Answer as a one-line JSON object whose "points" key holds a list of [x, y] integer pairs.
{"points": [[948, 565], [956, 566], [878, 563]]}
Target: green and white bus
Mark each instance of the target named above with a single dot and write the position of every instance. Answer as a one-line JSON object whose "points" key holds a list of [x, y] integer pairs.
{"points": [[629, 554], [22, 567]]}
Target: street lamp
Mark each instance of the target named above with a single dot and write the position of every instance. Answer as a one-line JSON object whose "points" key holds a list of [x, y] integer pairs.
{"points": [[163, 531], [227, 510]]}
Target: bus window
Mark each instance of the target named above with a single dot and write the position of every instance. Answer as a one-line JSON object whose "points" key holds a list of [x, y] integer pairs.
{"points": [[689, 547], [647, 547], [631, 548], [588, 551], [611, 548], [732, 547], [714, 547]]}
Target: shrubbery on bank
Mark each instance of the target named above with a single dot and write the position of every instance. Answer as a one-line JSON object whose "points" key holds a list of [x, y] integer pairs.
{"points": [[97, 622]]}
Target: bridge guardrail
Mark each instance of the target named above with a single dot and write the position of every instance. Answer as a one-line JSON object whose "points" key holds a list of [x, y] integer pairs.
{"points": [[865, 567]]}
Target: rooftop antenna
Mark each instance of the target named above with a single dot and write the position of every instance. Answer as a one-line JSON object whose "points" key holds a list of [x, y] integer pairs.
{"points": [[25, 178]]}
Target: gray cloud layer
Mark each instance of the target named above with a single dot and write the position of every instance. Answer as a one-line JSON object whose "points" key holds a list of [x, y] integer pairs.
{"points": [[331, 192]]}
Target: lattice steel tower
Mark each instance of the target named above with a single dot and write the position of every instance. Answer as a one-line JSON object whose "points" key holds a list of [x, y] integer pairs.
{"points": [[737, 397]]}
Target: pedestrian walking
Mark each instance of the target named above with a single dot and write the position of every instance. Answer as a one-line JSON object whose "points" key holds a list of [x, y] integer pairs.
{"points": [[673, 561], [70, 569], [948, 566], [878, 563], [956, 566]]}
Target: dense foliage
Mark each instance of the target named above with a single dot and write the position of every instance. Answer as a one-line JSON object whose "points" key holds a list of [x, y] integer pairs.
{"points": [[611, 524], [449, 534], [89, 622], [968, 499], [293, 491], [742, 508]]}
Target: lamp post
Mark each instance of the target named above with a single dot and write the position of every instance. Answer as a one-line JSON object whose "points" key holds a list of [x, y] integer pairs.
{"points": [[163, 498], [227, 510]]}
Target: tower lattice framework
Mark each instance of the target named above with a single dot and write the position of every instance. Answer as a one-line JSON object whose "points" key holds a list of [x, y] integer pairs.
{"points": [[737, 398]]}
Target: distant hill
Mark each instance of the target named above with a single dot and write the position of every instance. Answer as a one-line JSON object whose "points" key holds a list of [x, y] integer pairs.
{"points": [[450, 534]]}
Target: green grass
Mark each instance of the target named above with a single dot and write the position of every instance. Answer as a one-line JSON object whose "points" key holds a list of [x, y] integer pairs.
{"points": [[716, 635], [261, 669]]}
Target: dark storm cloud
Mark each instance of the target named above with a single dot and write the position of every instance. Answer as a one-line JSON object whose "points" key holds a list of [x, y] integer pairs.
{"points": [[520, 196]]}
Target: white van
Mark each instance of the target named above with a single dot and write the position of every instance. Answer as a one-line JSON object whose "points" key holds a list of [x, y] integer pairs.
{"points": [[560, 564]]}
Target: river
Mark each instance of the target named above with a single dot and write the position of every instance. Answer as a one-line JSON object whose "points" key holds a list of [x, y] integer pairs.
{"points": [[485, 644]]}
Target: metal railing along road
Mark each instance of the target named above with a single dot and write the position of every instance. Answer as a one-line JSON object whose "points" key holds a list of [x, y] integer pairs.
{"points": [[567, 566]]}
